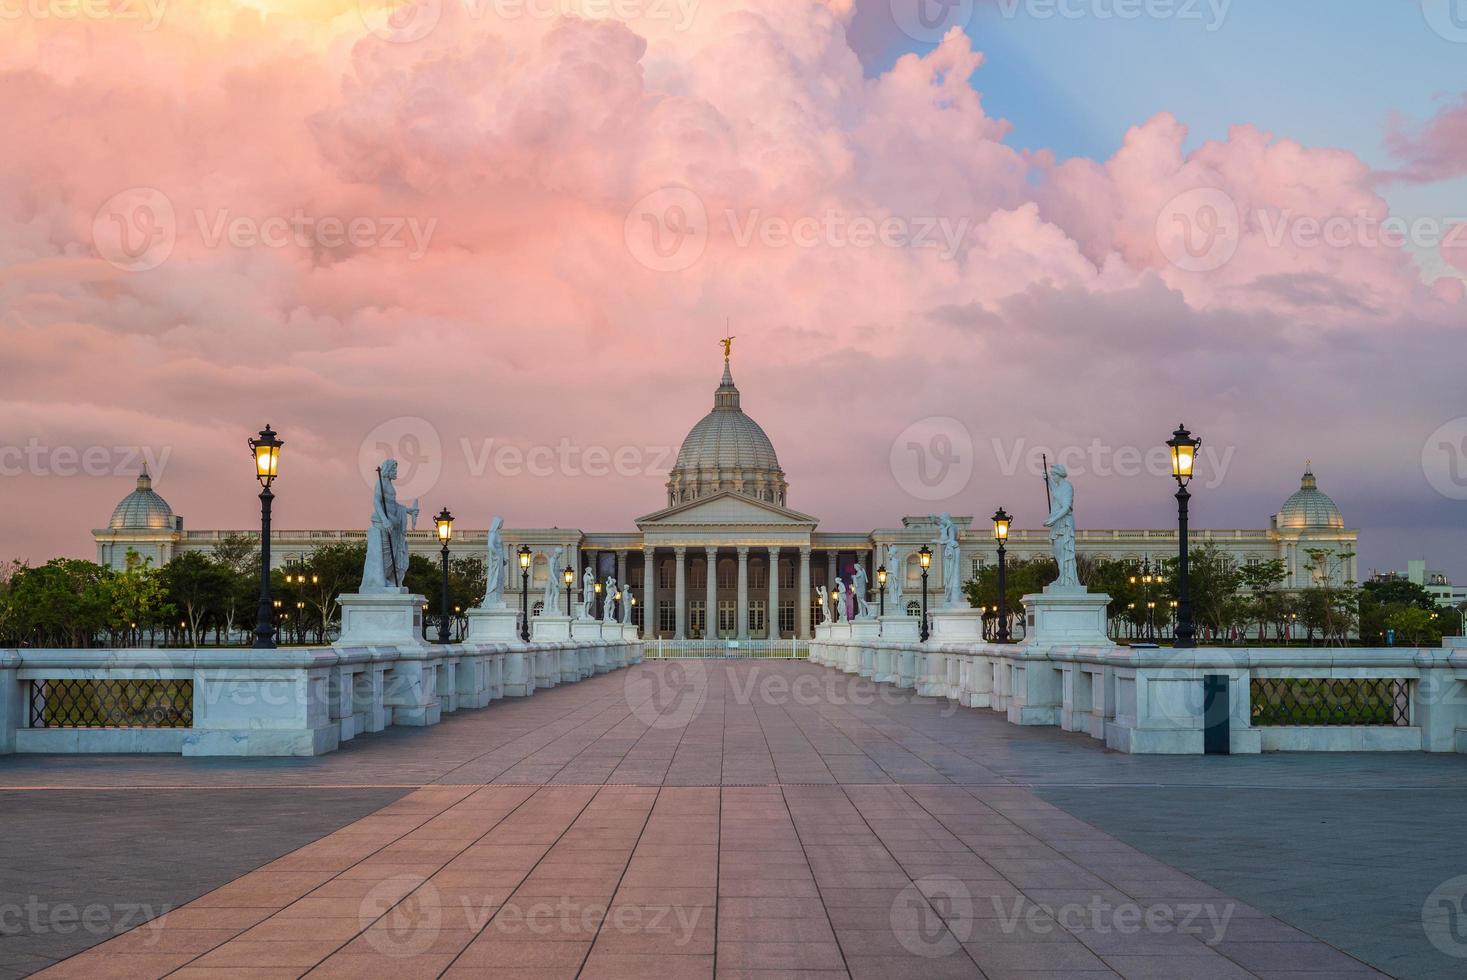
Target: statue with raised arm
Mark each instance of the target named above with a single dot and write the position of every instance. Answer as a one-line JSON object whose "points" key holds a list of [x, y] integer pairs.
{"points": [[824, 598], [858, 588], [550, 598], [840, 600], [952, 576], [1061, 524], [588, 594], [896, 578], [495, 563], [387, 550], [608, 608]]}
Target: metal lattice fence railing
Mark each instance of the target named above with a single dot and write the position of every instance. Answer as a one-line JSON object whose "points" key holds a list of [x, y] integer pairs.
{"points": [[659, 649], [112, 704], [1319, 701]]}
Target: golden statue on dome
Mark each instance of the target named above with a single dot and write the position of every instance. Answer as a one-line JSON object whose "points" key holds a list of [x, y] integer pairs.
{"points": [[727, 343]]}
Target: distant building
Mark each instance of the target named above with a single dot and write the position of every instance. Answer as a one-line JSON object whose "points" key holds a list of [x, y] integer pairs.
{"points": [[730, 556], [1445, 594]]}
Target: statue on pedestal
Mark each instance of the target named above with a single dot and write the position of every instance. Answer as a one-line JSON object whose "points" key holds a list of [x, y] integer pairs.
{"points": [[952, 576], [1061, 524], [588, 594], [495, 563], [896, 577], [386, 565], [840, 600], [608, 608], [626, 607], [824, 597], [549, 599], [858, 588]]}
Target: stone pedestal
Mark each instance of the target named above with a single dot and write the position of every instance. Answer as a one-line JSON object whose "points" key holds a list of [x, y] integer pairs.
{"points": [[378, 619], [547, 628], [900, 629], [493, 626], [958, 625], [581, 661], [555, 631], [863, 633], [1065, 616]]}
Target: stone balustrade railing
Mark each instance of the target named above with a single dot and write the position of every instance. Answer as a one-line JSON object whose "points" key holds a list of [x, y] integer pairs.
{"points": [[300, 701], [1155, 699]]}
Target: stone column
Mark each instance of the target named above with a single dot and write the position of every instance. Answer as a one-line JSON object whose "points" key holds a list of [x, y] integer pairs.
{"points": [[741, 610], [771, 618], [622, 582], [802, 611], [830, 557], [710, 603], [649, 593], [680, 595]]}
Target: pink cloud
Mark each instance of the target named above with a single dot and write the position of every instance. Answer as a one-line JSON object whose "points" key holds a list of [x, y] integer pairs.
{"points": [[883, 253], [1435, 150]]}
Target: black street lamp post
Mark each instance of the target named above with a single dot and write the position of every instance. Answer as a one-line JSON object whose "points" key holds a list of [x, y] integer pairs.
{"points": [[525, 558], [444, 522], [1184, 456], [266, 450], [1001, 522], [881, 580], [569, 575], [924, 558]]}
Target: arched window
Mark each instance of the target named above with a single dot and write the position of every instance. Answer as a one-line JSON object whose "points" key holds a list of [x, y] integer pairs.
{"points": [[537, 608], [914, 609]]}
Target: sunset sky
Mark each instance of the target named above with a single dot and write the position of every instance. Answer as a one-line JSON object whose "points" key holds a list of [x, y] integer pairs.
{"points": [[1034, 225]]}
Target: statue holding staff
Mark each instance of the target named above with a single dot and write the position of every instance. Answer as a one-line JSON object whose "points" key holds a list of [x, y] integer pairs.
{"points": [[549, 599], [952, 577], [386, 564], [1061, 524]]}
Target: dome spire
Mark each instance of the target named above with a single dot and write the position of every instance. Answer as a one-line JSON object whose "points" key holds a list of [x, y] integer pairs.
{"points": [[145, 480], [727, 395], [1308, 482]]}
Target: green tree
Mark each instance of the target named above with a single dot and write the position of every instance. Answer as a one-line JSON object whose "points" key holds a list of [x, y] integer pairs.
{"points": [[138, 596], [1021, 577], [239, 556], [198, 588], [1264, 604], [65, 602], [1413, 625], [1332, 604]]}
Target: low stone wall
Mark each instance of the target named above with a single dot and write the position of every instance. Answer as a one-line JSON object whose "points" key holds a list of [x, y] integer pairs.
{"points": [[301, 701], [1152, 700]]}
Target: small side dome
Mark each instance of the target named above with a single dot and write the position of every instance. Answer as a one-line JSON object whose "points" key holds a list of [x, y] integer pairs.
{"points": [[1310, 506], [143, 508]]}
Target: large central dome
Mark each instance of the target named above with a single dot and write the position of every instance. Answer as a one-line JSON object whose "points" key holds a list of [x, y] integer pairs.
{"points": [[726, 450]]}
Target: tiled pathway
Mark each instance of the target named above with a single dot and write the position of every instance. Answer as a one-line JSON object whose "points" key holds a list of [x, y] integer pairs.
{"points": [[723, 820]]}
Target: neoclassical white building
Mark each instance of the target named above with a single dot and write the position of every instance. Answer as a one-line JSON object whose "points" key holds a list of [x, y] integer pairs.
{"points": [[728, 557]]}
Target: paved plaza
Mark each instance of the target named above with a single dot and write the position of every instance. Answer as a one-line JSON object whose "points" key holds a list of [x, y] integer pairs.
{"points": [[731, 819]]}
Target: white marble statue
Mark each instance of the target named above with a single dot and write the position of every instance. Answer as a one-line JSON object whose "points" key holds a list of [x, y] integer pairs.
{"points": [[495, 565], [952, 577], [608, 608], [840, 600], [824, 597], [550, 598], [1061, 524], [387, 550], [588, 594], [896, 577], [626, 607], [858, 587]]}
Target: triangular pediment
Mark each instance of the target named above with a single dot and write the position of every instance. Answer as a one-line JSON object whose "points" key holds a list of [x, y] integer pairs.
{"points": [[726, 508]]}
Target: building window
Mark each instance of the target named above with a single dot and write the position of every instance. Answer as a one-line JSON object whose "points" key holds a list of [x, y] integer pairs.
{"points": [[666, 571], [914, 609], [666, 616], [786, 575], [727, 624], [727, 574], [758, 575], [977, 565], [758, 622], [696, 618], [537, 609], [698, 576], [787, 616]]}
